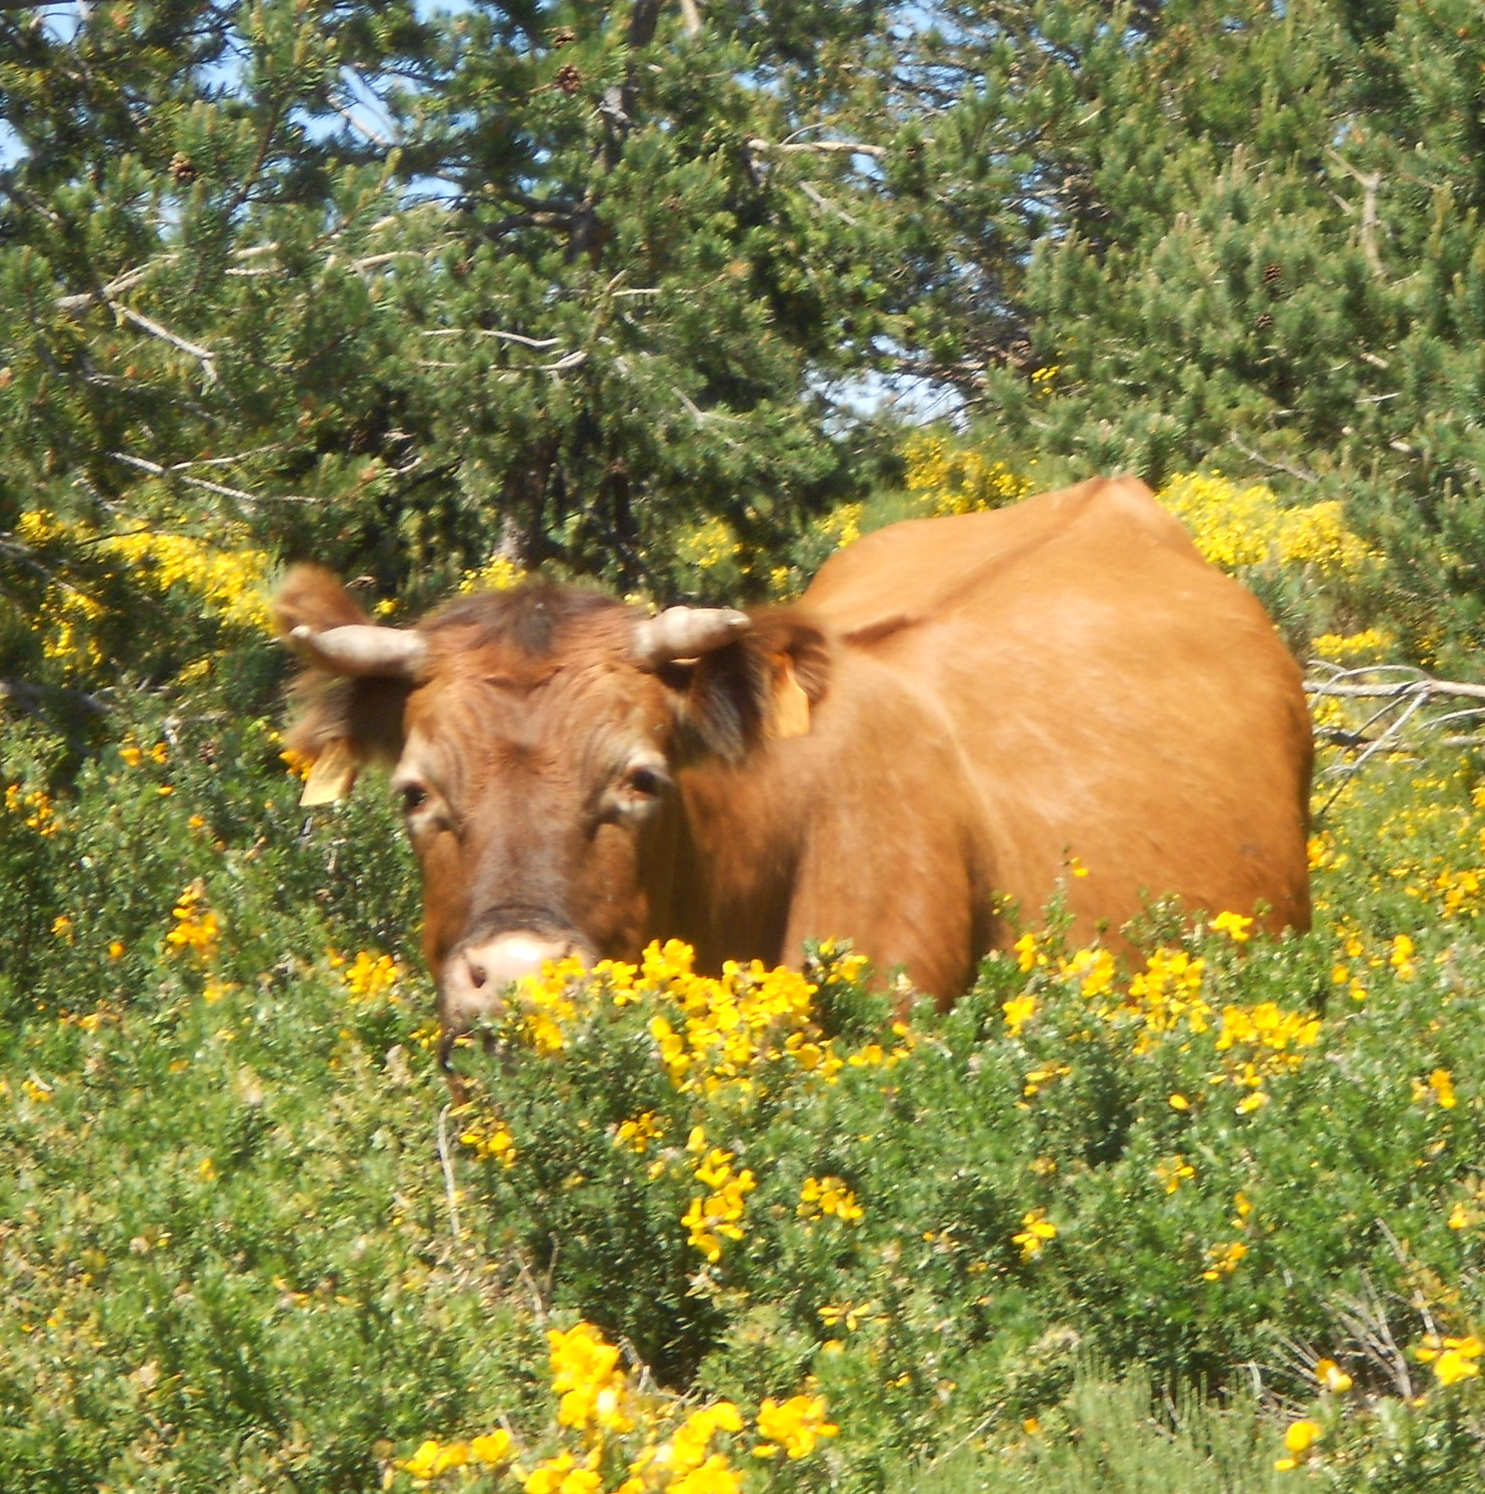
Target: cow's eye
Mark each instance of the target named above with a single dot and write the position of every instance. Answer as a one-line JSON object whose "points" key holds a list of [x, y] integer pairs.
{"points": [[414, 796], [636, 791], [645, 782]]}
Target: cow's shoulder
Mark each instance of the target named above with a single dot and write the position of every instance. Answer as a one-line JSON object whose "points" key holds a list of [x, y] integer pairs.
{"points": [[919, 568]]}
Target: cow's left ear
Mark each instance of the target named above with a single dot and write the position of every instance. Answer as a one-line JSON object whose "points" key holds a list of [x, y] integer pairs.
{"points": [[764, 684]]}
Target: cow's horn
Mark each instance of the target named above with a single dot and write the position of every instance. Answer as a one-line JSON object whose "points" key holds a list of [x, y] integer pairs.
{"points": [[361, 649], [686, 633]]}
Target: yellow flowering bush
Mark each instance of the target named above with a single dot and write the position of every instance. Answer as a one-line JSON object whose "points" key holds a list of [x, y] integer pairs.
{"points": [[497, 574], [713, 1036], [1238, 526], [370, 977], [224, 579], [196, 928], [1371, 645], [614, 1431], [946, 477]]}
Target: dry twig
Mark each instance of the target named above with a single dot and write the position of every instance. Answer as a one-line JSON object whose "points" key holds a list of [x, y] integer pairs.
{"points": [[1403, 695]]}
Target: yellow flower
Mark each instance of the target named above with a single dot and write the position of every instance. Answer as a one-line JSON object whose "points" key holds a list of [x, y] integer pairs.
{"points": [[585, 1373], [371, 976], [843, 1314], [820, 1196], [1332, 1376], [496, 1143], [561, 1475], [196, 926], [1234, 925], [1299, 1437], [1438, 1088], [1224, 1259], [433, 1458], [1037, 1230], [637, 1134], [688, 1449], [795, 1425], [1301, 1434], [713, 1477], [1174, 1171], [1453, 1359], [493, 1448], [1018, 1012]]}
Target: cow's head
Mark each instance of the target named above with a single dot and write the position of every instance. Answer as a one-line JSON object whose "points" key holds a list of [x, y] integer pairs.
{"points": [[532, 737]]}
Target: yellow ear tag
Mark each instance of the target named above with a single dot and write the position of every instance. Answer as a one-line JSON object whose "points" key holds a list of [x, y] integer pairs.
{"points": [[791, 706], [332, 775]]}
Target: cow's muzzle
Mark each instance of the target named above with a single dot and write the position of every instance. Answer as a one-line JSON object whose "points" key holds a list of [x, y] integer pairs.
{"points": [[476, 978]]}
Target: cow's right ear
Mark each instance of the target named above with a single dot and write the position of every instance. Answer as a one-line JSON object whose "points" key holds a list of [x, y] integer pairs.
{"points": [[351, 694]]}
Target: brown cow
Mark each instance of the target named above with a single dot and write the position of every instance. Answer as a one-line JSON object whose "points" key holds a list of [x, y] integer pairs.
{"points": [[956, 709]]}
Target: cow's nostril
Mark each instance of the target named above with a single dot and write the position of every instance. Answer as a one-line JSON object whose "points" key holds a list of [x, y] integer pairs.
{"points": [[477, 975]]}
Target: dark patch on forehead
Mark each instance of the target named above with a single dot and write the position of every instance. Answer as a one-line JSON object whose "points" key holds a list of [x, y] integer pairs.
{"points": [[532, 618]]}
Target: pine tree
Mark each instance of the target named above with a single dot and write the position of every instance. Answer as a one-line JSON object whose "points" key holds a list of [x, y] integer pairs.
{"points": [[1247, 238], [399, 289]]}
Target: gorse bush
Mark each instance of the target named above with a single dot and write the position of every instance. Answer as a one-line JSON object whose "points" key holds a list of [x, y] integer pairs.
{"points": [[717, 1232], [250, 1244]]}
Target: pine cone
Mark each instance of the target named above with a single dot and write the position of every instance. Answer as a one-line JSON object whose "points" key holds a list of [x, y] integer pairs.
{"points": [[182, 168], [1264, 323], [569, 79]]}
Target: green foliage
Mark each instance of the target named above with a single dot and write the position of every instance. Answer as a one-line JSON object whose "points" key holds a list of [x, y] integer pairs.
{"points": [[1107, 1436], [580, 287], [245, 1251], [1237, 237], [397, 288]]}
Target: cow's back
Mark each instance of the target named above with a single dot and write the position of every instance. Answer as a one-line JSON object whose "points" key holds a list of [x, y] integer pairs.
{"points": [[1108, 695]]}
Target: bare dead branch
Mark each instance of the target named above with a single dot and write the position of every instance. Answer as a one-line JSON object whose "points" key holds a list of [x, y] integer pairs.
{"points": [[178, 472], [346, 109], [819, 147], [1269, 462], [451, 1189], [1370, 182], [572, 360], [73, 305], [824, 203], [541, 343], [1404, 695], [204, 355]]}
